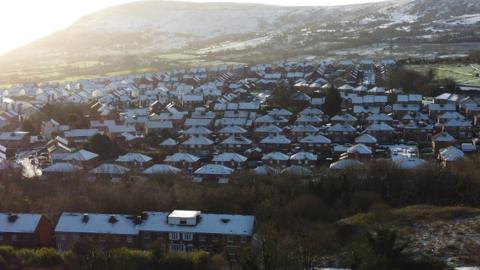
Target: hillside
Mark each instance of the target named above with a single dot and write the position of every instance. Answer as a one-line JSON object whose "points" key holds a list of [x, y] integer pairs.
{"points": [[152, 33]]}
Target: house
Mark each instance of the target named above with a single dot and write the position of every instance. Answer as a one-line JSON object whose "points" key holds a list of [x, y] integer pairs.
{"points": [[450, 154], [416, 131], [341, 133], [15, 139], [459, 128], [82, 158], [295, 170], [25, 230], [187, 162], [358, 152], [236, 143], [52, 127], [161, 169], [275, 142], [113, 171], [382, 132], [366, 139], [276, 159], [186, 231], [438, 109], [212, 173], [134, 160], [79, 136], [107, 230], [231, 130], [316, 143], [60, 169], [441, 141], [157, 127], [176, 231], [231, 160], [198, 144], [305, 159]]}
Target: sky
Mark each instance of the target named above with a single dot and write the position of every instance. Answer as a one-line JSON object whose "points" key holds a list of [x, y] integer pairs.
{"points": [[24, 21]]}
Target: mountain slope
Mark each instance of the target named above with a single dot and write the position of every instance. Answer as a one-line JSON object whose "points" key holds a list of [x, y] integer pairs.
{"points": [[227, 31]]}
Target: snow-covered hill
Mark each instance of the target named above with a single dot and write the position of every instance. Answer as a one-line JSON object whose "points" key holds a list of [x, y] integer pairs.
{"points": [[152, 27]]}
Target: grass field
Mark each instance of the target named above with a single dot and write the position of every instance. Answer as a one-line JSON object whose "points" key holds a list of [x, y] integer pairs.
{"points": [[461, 73]]}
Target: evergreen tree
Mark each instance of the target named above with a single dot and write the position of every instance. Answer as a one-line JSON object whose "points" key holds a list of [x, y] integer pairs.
{"points": [[333, 101]]}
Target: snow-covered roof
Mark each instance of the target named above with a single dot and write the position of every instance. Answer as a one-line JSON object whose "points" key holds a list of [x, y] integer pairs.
{"points": [[366, 139], [451, 153], [61, 167], [134, 157], [409, 163], [81, 155], [198, 140], [161, 169], [19, 223], [110, 169], [304, 156], [226, 157], [277, 139], [345, 164], [214, 169], [180, 157], [360, 149], [275, 156], [316, 139]]}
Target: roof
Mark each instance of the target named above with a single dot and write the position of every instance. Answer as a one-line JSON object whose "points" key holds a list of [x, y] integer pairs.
{"points": [[443, 137], [316, 139], [278, 139], [134, 157], [236, 139], [110, 169], [161, 169], [380, 127], [198, 140], [366, 138], [24, 223], [97, 223], [168, 142], [451, 153], [214, 169], [275, 156], [345, 164], [61, 167], [360, 149], [207, 224], [80, 132], [81, 155], [226, 157], [341, 127], [304, 156], [179, 157]]}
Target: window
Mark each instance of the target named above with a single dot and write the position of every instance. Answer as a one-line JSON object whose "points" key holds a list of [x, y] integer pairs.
{"points": [[76, 236], [189, 248], [230, 239], [183, 222], [146, 235], [1, 237], [243, 239], [202, 238], [177, 247], [63, 237], [129, 239], [187, 236], [215, 238], [174, 236], [14, 237]]}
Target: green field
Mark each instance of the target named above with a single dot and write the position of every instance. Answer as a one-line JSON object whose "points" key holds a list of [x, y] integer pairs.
{"points": [[462, 73]]}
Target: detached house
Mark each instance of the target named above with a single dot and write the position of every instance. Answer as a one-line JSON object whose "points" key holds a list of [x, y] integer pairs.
{"points": [[187, 162], [213, 173]]}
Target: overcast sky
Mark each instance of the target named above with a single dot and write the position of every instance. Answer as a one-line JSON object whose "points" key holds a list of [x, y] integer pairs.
{"points": [[23, 21]]}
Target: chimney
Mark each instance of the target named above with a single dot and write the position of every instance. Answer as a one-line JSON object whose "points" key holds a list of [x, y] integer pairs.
{"points": [[12, 217], [113, 219], [144, 215], [85, 218]]}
